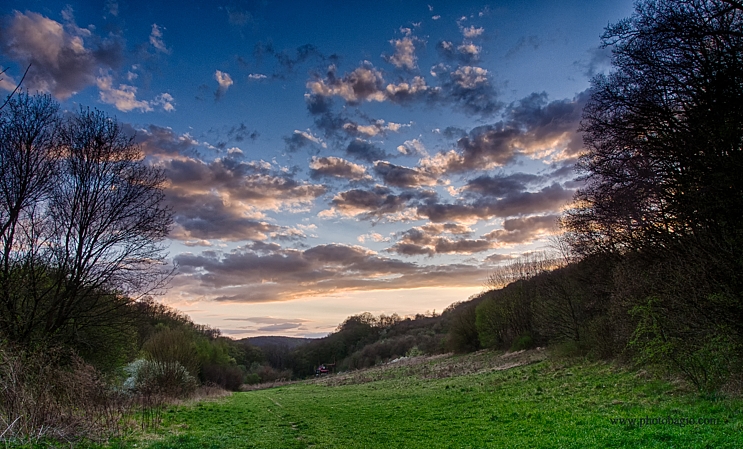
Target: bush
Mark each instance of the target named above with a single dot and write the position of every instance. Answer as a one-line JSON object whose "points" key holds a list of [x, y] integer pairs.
{"points": [[154, 378], [51, 393]]}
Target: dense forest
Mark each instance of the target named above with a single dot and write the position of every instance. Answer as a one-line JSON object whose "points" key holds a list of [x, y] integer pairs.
{"points": [[647, 270]]}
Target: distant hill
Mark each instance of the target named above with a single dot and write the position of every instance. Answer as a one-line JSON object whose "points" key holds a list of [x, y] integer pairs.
{"points": [[290, 342]]}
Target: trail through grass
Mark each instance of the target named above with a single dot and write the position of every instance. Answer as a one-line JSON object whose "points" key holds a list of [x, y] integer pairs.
{"points": [[539, 405]]}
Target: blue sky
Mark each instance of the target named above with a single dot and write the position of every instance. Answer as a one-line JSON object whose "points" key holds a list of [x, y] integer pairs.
{"points": [[330, 158]]}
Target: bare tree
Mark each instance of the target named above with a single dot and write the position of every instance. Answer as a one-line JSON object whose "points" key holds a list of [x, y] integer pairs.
{"points": [[525, 267], [83, 220]]}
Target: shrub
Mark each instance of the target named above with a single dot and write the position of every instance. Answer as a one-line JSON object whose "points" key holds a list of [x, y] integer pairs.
{"points": [[53, 393], [153, 378]]}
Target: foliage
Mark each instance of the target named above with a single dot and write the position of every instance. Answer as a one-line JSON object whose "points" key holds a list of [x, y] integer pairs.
{"points": [[157, 377], [664, 139], [461, 319]]}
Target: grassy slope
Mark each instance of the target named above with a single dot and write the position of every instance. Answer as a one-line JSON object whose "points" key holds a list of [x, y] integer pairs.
{"points": [[541, 404]]}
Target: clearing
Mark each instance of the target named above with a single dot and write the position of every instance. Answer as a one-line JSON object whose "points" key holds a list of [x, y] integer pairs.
{"points": [[486, 399]]}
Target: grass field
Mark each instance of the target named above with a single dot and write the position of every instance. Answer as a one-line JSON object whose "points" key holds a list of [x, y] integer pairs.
{"points": [[473, 401]]}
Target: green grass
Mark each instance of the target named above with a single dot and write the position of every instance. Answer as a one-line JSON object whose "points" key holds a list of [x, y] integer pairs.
{"points": [[542, 405]]}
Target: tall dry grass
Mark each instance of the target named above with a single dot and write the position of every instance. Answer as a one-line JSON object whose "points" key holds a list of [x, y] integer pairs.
{"points": [[54, 394]]}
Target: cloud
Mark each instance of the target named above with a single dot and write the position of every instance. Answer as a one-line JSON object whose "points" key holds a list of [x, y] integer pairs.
{"points": [[268, 320], [532, 127], [499, 186], [534, 42], [467, 88], [244, 275], [375, 128], [238, 16], [404, 57], [288, 61], [365, 151], [470, 89], [431, 239], [547, 199], [301, 139], [163, 142], [599, 61], [472, 32], [122, 97], [224, 198], [465, 53], [156, 39], [379, 202], [225, 81], [363, 84], [335, 167], [244, 185], [208, 216], [407, 91], [524, 230], [373, 236], [166, 101], [412, 147], [398, 176], [63, 59]]}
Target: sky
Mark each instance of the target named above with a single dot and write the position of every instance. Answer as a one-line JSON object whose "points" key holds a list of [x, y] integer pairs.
{"points": [[329, 158]]}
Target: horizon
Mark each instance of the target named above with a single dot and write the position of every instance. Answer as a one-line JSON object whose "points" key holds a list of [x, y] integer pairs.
{"points": [[331, 159]]}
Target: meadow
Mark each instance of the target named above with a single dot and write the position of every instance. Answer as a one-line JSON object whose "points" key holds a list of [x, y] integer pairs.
{"points": [[485, 399]]}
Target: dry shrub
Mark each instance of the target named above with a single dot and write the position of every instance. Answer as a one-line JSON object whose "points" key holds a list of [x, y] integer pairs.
{"points": [[54, 394]]}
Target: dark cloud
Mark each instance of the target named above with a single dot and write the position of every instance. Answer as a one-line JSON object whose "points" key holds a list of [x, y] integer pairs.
{"points": [[335, 167], [222, 200], [289, 60], [523, 230], [301, 139], [245, 276], [235, 134], [452, 132], [398, 176], [158, 141], [378, 202], [532, 127], [598, 60], [430, 240], [466, 88], [365, 151], [63, 58], [316, 264], [205, 216], [465, 53], [469, 89], [550, 198], [499, 186], [365, 83], [533, 42]]}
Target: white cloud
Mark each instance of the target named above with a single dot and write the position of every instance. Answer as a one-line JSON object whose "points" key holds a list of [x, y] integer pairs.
{"points": [[469, 49], [257, 76], [362, 84], [225, 81], [412, 147], [404, 56], [166, 101], [472, 32], [470, 77], [123, 97], [156, 39]]}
